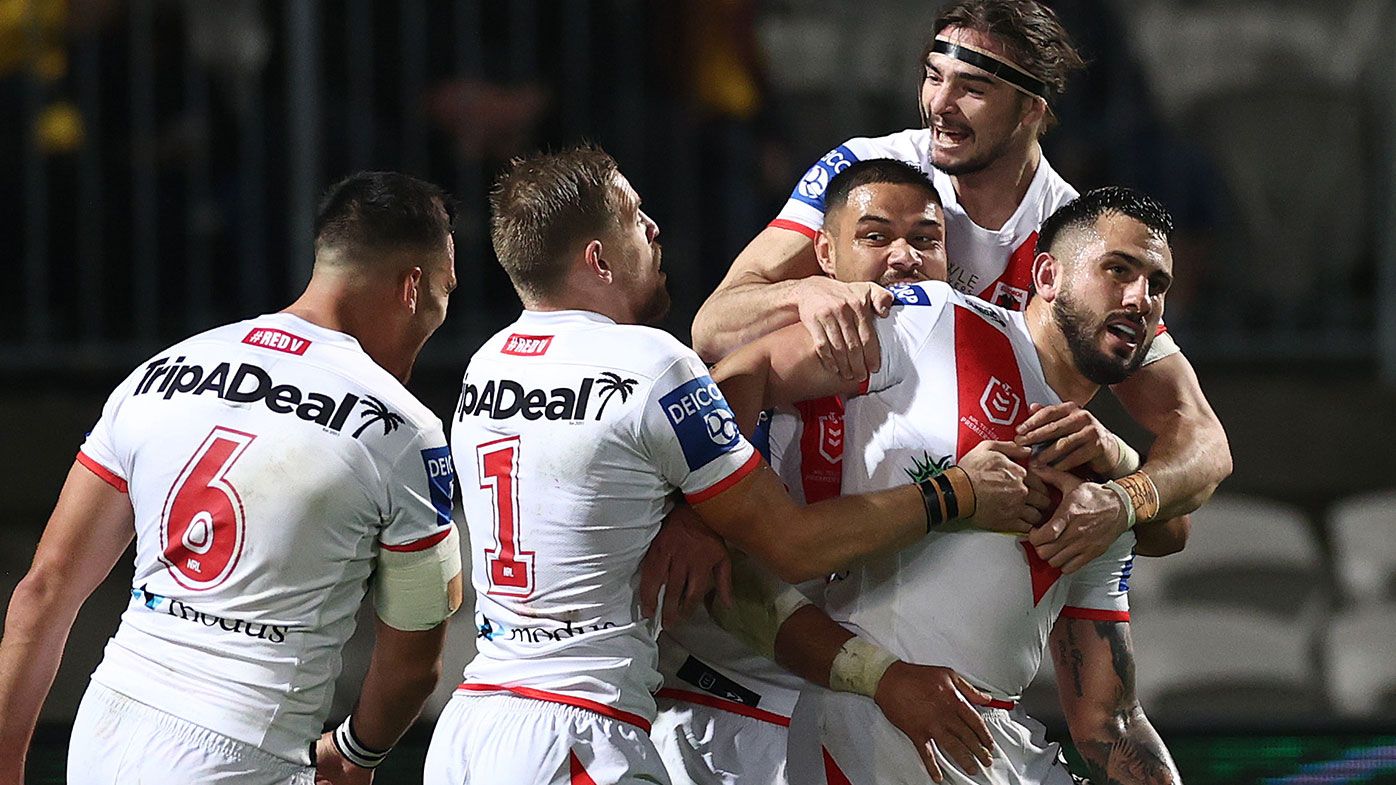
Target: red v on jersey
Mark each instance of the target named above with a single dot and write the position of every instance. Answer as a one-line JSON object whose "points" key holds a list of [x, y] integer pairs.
{"points": [[992, 404], [1010, 290], [822, 440]]}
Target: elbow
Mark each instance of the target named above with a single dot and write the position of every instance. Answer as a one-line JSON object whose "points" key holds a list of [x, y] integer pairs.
{"points": [[47, 594], [1163, 538], [707, 341]]}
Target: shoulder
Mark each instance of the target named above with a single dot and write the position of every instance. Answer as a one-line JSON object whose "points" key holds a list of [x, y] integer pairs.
{"points": [[1056, 191]]}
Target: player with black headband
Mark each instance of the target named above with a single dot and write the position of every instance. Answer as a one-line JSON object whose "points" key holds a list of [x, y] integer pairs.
{"points": [[991, 71]]}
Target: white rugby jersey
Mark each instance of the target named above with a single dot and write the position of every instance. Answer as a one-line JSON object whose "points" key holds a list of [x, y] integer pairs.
{"points": [[703, 663], [571, 433], [957, 371], [267, 462], [991, 264]]}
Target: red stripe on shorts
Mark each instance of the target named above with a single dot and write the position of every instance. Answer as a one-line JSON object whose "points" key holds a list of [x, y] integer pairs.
{"points": [[566, 700], [714, 702]]}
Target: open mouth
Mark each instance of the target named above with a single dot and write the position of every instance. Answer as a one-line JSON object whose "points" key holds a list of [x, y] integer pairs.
{"points": [[1126, 331], [950, 136]]}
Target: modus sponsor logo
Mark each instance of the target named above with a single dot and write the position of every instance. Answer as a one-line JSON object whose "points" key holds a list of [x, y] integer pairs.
{"points": [[271, 633]]}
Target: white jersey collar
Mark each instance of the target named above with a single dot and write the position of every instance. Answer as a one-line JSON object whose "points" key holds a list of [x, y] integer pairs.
{"points": [[564, 317]]}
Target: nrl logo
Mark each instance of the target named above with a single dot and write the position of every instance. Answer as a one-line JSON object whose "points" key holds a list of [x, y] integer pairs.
{"points": [[999, 402]]}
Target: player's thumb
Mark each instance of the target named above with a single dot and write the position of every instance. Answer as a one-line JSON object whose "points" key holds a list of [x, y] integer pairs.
{"points": [[1015, 452], [881, 300]]}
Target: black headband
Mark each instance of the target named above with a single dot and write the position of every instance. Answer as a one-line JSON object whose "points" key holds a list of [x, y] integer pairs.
{"points": [[997, 67]]}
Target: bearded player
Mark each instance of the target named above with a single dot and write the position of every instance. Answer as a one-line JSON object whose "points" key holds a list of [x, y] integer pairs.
{"points": [[575, 426], [955, 371], [991, 72]]}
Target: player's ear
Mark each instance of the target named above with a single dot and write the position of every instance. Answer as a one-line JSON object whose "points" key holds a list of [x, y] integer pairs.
{"points": [[1046, 275], [407, 288], [823, 245], [1035, 113], [595, 262]]}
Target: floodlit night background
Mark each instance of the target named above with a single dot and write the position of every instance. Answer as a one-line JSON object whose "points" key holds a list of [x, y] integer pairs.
{"points": [[160, 162]]}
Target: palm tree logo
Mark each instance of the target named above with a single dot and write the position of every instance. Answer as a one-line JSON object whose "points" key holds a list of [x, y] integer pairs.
{"points": [[926, 467], [608, 384], [376, 411]]}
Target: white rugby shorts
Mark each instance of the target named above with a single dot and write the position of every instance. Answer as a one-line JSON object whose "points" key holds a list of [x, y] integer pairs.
{"points": [[492, 739], [838, 738], [118, 740], [707, 745]]}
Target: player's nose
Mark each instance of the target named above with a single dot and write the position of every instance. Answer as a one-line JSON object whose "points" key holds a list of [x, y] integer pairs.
{"points": [[901, 255]]}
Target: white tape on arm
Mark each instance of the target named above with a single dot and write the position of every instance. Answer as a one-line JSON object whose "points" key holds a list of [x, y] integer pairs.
{"points": [[858, 667], [761, 604], [412, 589]]}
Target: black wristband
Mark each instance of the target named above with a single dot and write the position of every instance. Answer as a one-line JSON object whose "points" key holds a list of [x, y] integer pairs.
{"points": [[931, 497], [354, 750], [952, 505]]}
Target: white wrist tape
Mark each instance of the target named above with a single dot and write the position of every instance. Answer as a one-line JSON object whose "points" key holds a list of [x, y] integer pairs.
{"points": [[1129, 459], [761, 604], [1125, 501], [354, 750], [858, 667], [412, 589]]}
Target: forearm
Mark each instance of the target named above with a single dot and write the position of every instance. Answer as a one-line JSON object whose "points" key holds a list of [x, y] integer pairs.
{"points": [[399, 680], [1125, 749], [808, 642], [1190, 455], [1187, 463], [741, 311], [833, 535], [36, 631]]}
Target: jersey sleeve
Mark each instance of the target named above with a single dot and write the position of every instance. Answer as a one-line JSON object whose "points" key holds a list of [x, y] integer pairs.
{"points": [[901, 333], [421, 488], [1163, 346], [804, 210], [1100, 591], [101, 452], [691, 434]]}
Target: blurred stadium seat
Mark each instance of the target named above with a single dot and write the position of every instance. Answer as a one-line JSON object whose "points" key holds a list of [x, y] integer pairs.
{"points": [[1363, 532], [1216, 665], [1244, 553], [1361, 664]]}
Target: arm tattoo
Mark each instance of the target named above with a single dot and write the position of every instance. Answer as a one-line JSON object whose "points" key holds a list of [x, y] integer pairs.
{"points": [[1124, 749]]}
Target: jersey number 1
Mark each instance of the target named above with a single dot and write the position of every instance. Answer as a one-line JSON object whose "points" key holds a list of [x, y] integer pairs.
{"points": [[201, 525], [510, 568]]}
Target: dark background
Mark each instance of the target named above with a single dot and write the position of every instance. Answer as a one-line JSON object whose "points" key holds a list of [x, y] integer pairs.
{"points": [[160, 162]]}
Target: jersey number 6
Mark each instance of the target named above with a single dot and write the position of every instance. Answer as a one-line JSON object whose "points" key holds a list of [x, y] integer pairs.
{"points": [[201, 525], [509, 567]]}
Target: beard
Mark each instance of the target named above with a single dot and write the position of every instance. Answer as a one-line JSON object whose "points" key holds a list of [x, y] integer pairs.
{"points": [[1082, 335], [655, 306]]}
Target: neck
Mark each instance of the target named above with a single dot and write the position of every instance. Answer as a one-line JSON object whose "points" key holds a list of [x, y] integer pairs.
{"points": [[578, 294], [1058, 366], [991, 195], [359, 312]]}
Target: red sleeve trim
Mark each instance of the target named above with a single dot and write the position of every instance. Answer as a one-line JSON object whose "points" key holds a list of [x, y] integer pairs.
{"points": [[863, 387], [107, 475], [714, 702], [419, 545], [782, 223], [726, 482], [1094, 614], [1161, 329], [566, 700]]}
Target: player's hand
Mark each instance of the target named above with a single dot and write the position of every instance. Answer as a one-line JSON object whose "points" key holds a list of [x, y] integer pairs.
{"points": [[688, 558], [839, 316], [332, 769], [1072, 437], [1088, 520], [931, 705], [1000, 487]]}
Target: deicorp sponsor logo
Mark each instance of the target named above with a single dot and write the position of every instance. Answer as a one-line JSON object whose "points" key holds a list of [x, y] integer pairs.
{"points": [[500, 399], [702, 420], [250, 383], [441, 478]]}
